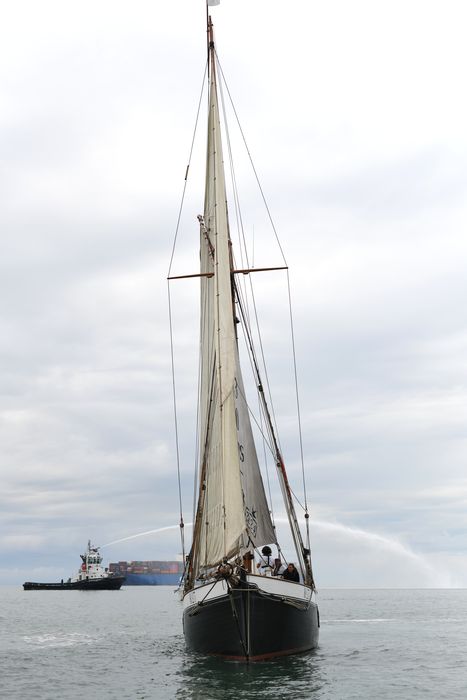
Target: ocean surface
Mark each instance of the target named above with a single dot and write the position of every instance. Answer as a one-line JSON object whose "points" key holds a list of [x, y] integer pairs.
{"points": [[374, 644]]}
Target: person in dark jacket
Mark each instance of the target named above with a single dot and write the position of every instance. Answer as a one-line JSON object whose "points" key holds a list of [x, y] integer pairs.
{"points": [[278, 568], [291, 574]]}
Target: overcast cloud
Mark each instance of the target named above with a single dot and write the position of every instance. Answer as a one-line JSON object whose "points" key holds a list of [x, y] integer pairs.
{"points": [[355, 115]]}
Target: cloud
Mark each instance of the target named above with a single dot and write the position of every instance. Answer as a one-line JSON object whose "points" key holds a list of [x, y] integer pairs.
{"points": [[361, 150]]}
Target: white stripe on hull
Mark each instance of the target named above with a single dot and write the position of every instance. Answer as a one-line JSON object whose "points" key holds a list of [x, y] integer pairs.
{"points": [[271, 585]]}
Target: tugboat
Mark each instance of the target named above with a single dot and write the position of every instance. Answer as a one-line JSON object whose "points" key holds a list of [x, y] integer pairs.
{"points": [[91, 576]]}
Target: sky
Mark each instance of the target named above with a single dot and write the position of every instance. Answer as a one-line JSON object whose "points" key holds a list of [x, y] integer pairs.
{"points": [[355, 116]]}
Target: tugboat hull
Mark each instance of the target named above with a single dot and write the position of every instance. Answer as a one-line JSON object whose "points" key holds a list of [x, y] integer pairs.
{"points": [[248, 623], [109, 583]]}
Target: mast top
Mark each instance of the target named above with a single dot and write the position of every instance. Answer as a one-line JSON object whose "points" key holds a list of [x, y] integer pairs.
{"points": [[210, 47], [210, 33]]}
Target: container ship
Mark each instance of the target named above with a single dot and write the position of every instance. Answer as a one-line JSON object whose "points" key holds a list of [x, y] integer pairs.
{"points": [[148, 573]]}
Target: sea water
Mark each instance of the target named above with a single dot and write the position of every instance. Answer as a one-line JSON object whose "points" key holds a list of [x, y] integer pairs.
{"points": [[374, 644]]}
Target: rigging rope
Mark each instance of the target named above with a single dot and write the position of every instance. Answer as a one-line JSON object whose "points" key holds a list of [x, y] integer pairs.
{"points": [[182, 526], [252, 164], [265, 458], [292, 333], [177, 227], [187, 170], [247, 319], [246, 316], [246, 312]]}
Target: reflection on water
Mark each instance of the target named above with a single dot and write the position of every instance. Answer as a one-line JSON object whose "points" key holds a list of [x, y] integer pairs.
{"points": [[210, 678]]}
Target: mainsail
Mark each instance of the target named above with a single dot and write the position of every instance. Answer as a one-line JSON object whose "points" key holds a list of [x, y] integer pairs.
{"points": [[232, 509]]}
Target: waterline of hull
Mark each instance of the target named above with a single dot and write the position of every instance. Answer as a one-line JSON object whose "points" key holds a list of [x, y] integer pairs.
{"points": [[109, 583]]}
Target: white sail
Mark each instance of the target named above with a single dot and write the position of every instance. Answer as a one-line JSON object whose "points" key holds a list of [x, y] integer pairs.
{"points": [[223, 520], [260, 529], [232, 510]]}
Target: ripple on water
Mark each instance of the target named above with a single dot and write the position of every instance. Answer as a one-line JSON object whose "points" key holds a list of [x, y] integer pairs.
{"points": [[365, 620], [68, 639]]}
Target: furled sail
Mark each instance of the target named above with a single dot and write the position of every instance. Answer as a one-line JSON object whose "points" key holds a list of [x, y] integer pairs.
{"points": [[232, 508]]}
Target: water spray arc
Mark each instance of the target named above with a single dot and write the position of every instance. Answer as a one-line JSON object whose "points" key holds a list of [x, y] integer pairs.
{"points": [[372, 539], [143, 534]]}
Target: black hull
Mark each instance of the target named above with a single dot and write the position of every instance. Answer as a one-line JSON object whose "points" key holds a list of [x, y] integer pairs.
{"points": [[111, 583], [249, 625]]}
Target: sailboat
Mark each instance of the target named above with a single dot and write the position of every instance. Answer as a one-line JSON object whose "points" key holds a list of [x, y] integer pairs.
{"points": [[239, 601]]}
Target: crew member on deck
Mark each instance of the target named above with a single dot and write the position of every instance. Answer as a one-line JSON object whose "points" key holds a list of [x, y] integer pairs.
{"points": [[291, 573], [278, 569], [265, 566]]}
